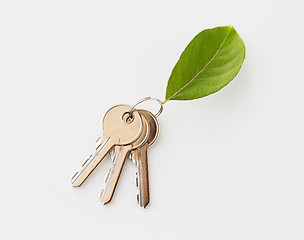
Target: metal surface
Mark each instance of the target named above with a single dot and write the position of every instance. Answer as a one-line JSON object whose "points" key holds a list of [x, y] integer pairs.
{"points": [[140, 158], [126, 132], [121, 153], [147, 99], [115, 132]]}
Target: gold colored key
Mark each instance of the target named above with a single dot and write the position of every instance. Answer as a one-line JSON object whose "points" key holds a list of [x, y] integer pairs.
{"points": [[117, 131], [121, 153], [140, 158]]}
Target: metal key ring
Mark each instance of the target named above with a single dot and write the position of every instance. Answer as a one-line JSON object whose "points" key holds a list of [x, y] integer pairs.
{"points": [[147, 99]]}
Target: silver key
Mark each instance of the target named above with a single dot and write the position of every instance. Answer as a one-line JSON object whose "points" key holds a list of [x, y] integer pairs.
{"points": [[121, 153], [140, 158], [116, 131]]}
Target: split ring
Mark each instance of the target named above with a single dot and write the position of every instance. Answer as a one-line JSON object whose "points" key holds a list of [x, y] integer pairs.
{"points": [[147, 99]]}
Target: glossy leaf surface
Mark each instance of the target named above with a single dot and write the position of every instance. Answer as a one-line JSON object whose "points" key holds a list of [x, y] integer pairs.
{"points": [[209, 62]]}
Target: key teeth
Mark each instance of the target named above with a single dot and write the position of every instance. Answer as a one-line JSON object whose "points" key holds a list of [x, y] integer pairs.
{"points": [[107, 176], [136, 179], [72, 178], [101, 197], [100, 194], [82, 166], [84, 163], [137, 199], [98, 142], [133, 158], [112, 154]]}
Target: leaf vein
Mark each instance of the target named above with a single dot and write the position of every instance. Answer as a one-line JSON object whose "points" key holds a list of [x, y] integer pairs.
{"points": [[177, 92]]}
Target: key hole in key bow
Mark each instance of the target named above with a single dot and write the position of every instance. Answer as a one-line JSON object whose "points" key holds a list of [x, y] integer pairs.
{"points": [[127, 117]]}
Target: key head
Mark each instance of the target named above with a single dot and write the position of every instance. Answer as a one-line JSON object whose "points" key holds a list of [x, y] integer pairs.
{"points": [[120, 154], [143, 138], [153, 124], [154, 130], [115, 125]]}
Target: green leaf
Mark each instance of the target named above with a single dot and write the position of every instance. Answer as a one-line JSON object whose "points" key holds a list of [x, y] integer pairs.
{"points": [[209, 62]]}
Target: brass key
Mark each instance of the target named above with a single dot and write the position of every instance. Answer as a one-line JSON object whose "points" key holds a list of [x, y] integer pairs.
{"points": [[116, 131], [121, 153], [140, 158]]}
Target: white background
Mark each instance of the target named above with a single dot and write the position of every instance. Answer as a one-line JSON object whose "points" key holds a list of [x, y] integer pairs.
{"points": [[229, 166]]}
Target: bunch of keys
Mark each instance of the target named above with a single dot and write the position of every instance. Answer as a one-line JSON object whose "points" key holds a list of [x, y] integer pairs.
{"points": [[127, 133]]}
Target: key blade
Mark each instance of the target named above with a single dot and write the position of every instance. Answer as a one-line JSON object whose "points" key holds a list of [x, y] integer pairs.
{"points": [[106, 194], [143, 175], [93, 161]]}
